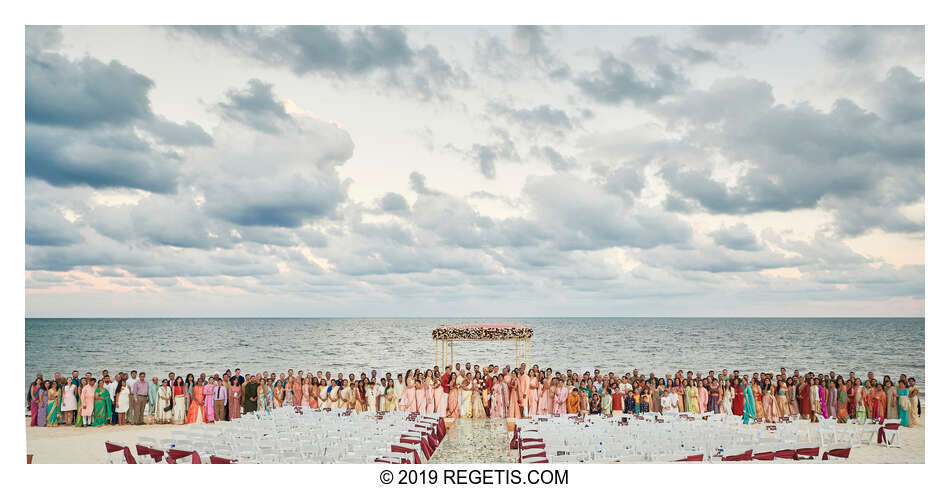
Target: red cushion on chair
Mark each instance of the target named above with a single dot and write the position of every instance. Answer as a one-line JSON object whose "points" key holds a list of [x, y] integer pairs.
{"points": [[156, 454], [787, 453], [764, 456], [692, 458], [514, 440], [112, 447], [747, 455], [837, 452], [400, 449], [807, 452], [129, 458], [142, 450], [220, 460]]}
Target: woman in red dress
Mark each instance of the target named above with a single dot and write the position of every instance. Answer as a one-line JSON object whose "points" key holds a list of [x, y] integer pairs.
{"points": [[738, 401]]}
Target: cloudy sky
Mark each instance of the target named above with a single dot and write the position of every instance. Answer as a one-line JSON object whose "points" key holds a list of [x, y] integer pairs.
{"points": [[490, 171]]}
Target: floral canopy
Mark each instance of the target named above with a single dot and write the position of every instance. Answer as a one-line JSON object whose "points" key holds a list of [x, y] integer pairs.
{"points": [[483, 332]]}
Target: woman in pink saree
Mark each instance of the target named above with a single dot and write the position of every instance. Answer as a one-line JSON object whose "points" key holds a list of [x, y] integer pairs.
{"points": [[532, 393], [560, 398], [297, 390], [421, 401], [408, 393], [543, 396], [452, 404], [498, 398], [703, 396], [209, 402], [549, 397], [437, 397], [429, 393]]}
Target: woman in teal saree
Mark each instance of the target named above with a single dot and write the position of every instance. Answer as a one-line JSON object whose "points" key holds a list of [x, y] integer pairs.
{"points": [[748, 408], [53, 404], [102, 409]]}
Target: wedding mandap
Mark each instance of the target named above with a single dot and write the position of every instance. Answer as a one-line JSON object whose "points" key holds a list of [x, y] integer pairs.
{"points": [[446, 336]]}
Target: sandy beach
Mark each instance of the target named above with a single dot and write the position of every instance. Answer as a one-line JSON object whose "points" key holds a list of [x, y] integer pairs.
{"points": [[467, 441]]}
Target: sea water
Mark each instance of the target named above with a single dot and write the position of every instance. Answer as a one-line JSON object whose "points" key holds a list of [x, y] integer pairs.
{"points": [[883, 345]]}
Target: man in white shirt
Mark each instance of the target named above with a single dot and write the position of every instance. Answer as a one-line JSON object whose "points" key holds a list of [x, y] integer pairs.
{"points": [[110, 386], [133, 378]]}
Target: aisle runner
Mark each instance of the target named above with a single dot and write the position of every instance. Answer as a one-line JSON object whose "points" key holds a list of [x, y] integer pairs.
{"points": [[475, 441]]}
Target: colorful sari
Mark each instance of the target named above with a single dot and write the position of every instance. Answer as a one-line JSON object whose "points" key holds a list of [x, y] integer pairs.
{"points": [[102, 408], [42, 401], [821, 401], [52, 408], [748, 408], [34, 404], [196, 409], [209, 402], [78, 421], [903, 407], [860, 409], [843, 405]]}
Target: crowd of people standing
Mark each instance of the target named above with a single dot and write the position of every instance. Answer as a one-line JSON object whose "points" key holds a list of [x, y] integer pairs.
{"points": [[468, 392]]}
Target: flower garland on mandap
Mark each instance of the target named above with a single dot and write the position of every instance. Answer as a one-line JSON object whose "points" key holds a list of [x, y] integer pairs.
{"points": [[503, 332]]}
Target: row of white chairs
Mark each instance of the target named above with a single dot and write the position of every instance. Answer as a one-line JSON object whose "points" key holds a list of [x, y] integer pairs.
{"points": [[708, 436], [286, 435]]}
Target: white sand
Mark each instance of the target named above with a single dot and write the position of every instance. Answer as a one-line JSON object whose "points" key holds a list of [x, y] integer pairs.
{"points": [[87, 445]]}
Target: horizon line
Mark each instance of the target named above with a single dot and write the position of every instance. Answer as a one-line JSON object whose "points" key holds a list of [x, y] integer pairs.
{"points": [[475, 317]]}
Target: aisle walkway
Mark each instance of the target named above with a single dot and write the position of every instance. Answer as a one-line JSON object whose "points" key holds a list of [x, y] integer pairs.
{"points": [[478, 441]]}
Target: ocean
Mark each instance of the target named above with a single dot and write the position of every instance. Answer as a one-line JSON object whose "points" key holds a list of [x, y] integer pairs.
{"points": [[883, 345]]}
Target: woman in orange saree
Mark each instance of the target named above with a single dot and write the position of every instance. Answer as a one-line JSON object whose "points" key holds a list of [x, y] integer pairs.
{"points": [[196, 409], [878, 402], [514, 398], [297, 390], [842, 401], [314, 400]]}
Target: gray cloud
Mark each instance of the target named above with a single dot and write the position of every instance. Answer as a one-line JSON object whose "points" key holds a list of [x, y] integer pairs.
{"points": [[542, 118], [616, 82], [801, 157], [101, 158], [738, 237], [46, 226], [394, 203], [735, 34], [862, 44], [716, 260], [553, 157], [584, 217], [484, 156], [339, 53], [532, 41], [256, 106], [80, 121], [83, 93], [258, 178], [653, 50]]}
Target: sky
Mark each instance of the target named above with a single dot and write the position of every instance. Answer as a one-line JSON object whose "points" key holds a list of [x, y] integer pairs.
{"points": [[474, 171]]}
